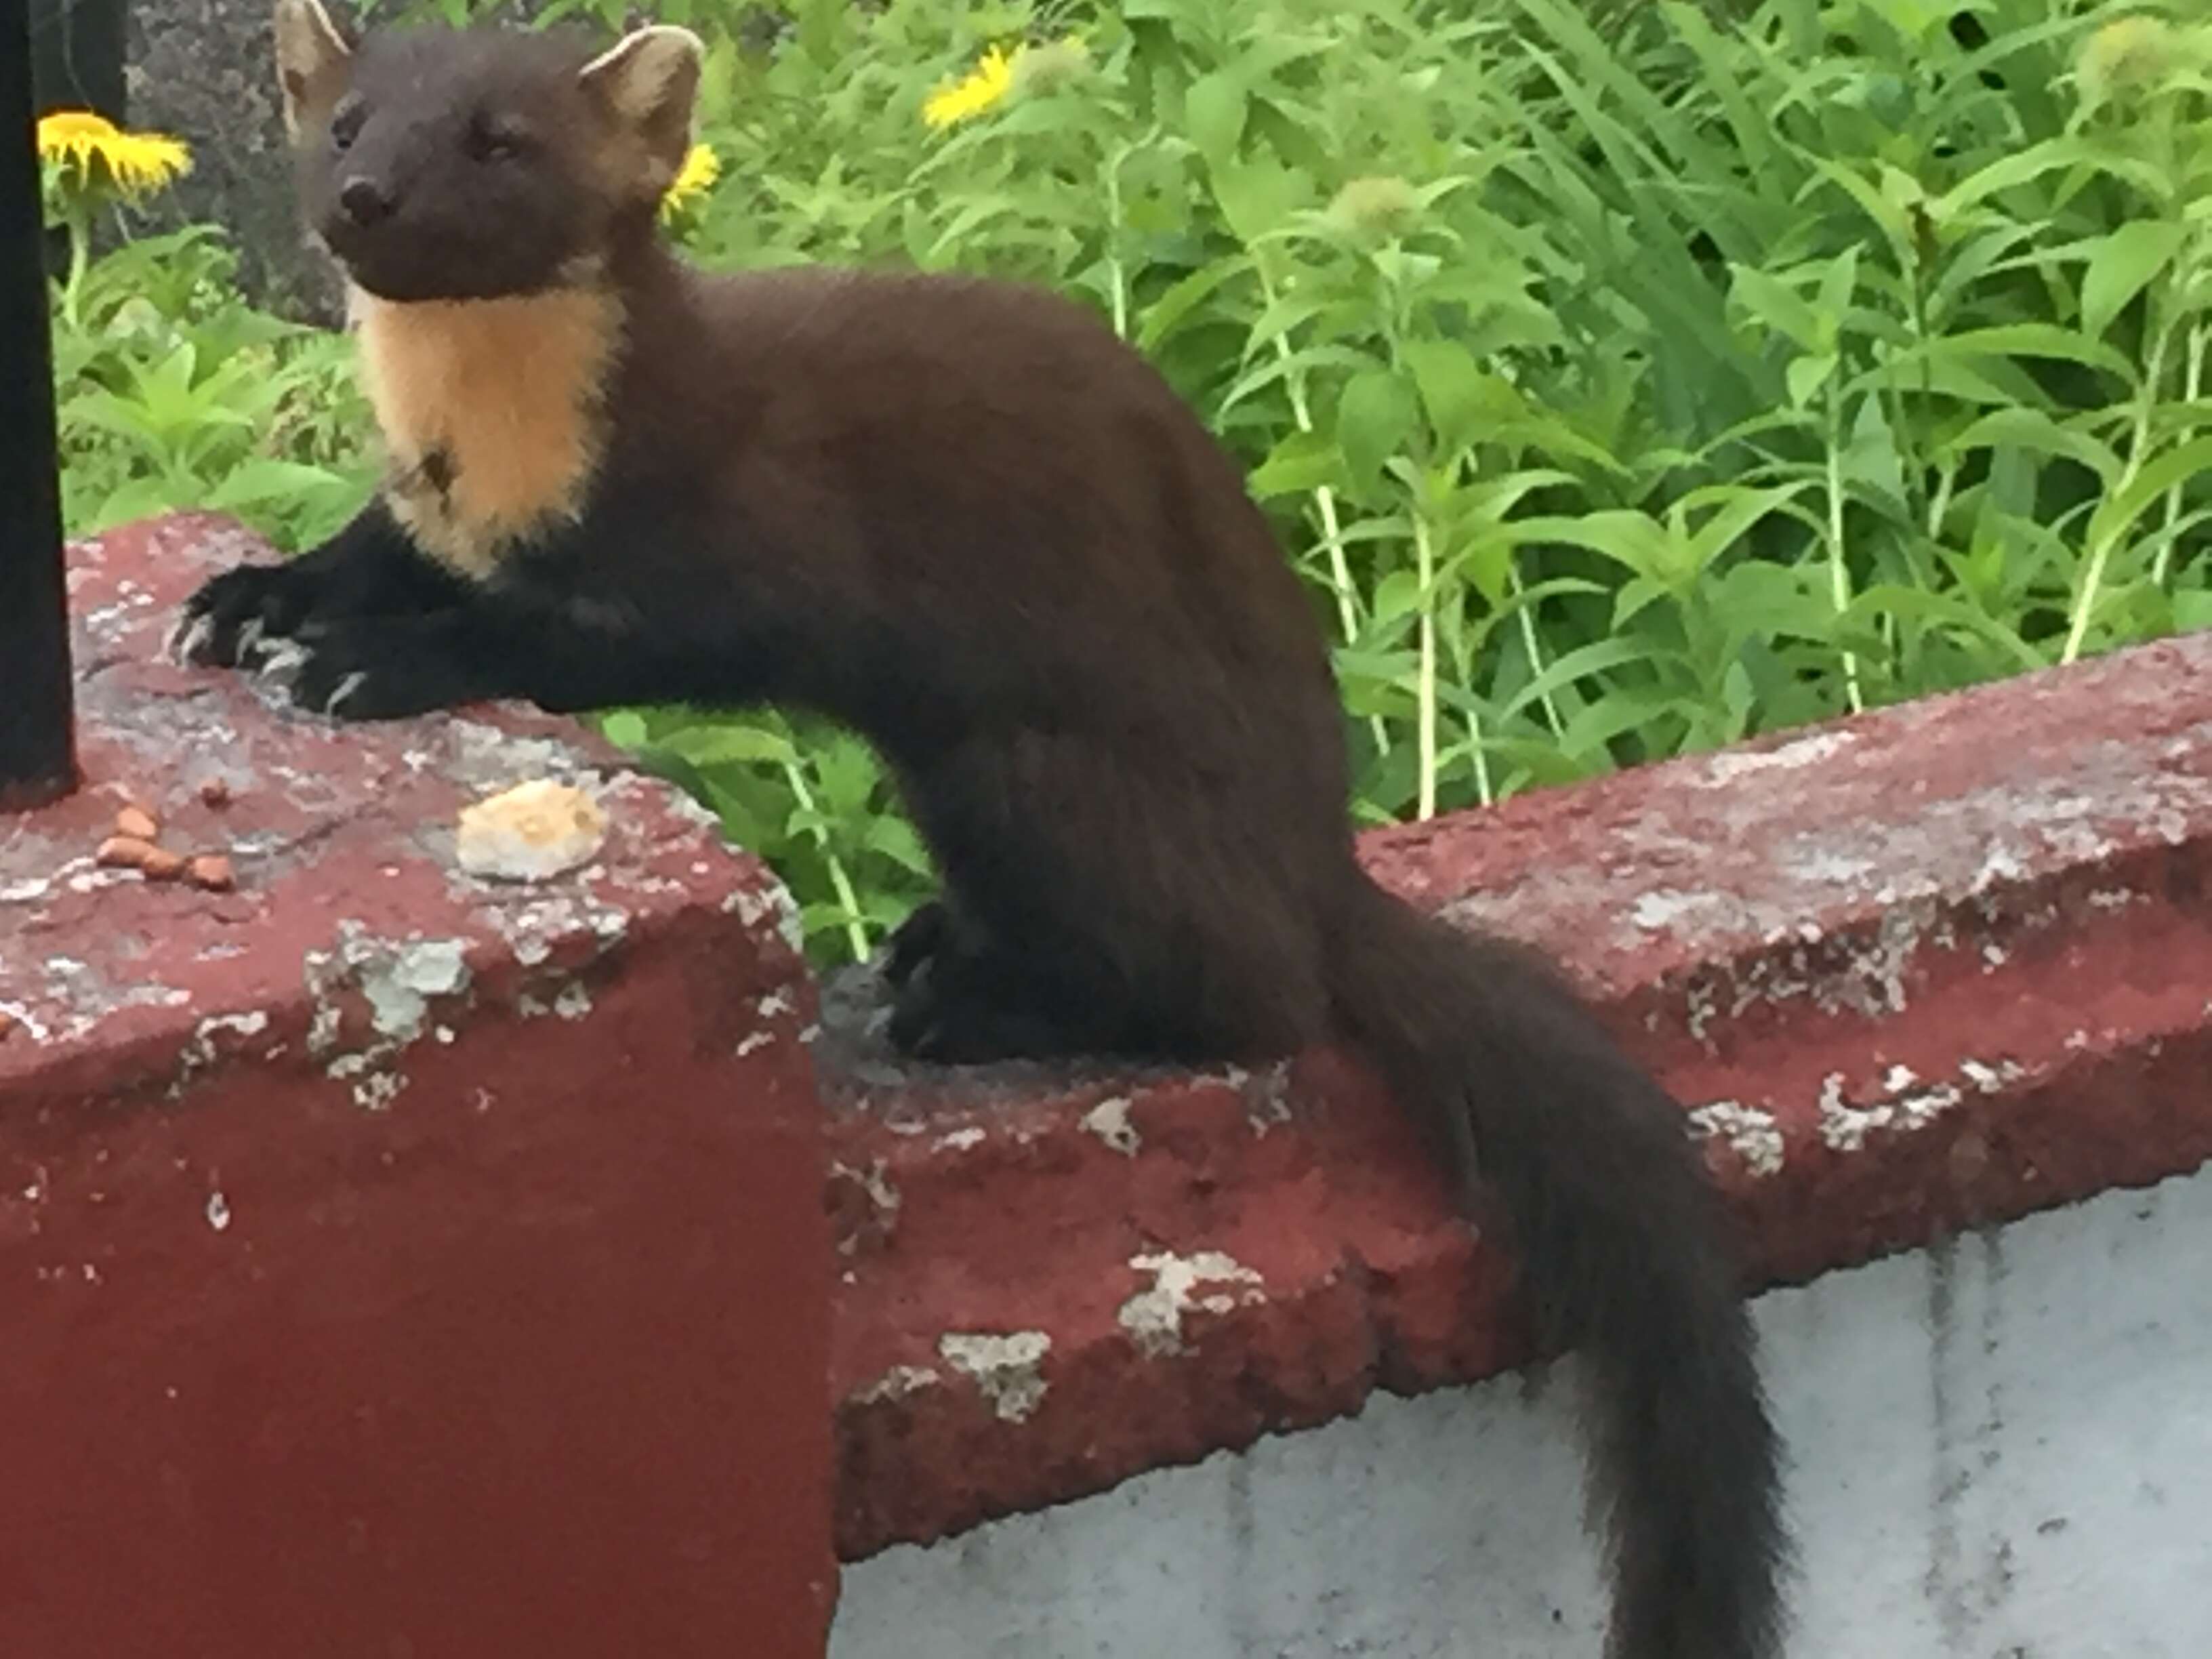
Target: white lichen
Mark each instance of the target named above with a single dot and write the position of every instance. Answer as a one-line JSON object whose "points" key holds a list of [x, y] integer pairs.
{"points": [[1211, 1281], [1006, 1370], [1727, 767], [1902, 1104], [897, 1383], [1752, 1134], [875, 1183], [200, 1050], [1109, 1120]]}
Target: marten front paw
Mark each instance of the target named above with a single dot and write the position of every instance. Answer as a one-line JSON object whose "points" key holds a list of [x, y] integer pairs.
{"points": [[372, 670], [238, 619]]}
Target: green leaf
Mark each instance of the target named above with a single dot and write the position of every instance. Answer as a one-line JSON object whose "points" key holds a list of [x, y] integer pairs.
{"points": [[1214, 110], [1806, 376], [263, 480], [1301, 463], [2018, 168], [1256, 194], [1374, 419], [894, 838], [2020, 340], [2176, 466], [1774, 304], [724, 745], [1578, 663], [1628, 538], [2032, 429], [2124, 263], [624, 728], [1870, 462], [1453, 388], [1161, 317]]}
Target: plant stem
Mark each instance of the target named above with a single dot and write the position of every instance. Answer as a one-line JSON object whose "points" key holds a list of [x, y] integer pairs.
{"points": [[2093, 580], [1535, 650], [856, 929], [1425, 557], [77, 222], [1839, 575], [1339, 568], [1120, 279], [1484, 789], [2193, 376], [1947, 480]]}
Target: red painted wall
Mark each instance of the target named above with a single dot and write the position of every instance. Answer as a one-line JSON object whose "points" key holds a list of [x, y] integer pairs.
{"points": [[358, 1309]]}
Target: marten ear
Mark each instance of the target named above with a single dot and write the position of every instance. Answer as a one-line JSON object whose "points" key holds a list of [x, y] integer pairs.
{"points": [[649, 83], [312, 60]]}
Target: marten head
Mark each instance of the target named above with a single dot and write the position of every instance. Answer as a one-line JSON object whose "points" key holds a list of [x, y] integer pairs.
{"points": [[444, 165]]}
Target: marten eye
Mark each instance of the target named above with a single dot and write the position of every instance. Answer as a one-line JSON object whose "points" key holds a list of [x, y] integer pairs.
{"points": [[346, 120], [492, 139]]}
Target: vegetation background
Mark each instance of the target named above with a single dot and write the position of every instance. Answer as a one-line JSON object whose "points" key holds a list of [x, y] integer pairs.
{"points": [[1625, 377]]}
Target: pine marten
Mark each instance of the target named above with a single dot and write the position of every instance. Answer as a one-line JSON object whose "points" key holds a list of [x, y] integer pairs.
{"points": [[964, 520]]}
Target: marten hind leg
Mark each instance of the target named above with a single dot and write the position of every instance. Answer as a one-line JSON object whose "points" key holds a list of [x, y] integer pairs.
{"points": [[1140, 917], [968, 1001], [915, 940]]}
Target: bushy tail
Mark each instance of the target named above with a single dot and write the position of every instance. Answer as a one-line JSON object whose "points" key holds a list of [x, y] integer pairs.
{"points": [[1618, 1238]]}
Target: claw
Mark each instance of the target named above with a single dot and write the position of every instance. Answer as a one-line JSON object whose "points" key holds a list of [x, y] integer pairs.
{"points": [[345, 688], [188, 639], [281, 660], [249, 635]]}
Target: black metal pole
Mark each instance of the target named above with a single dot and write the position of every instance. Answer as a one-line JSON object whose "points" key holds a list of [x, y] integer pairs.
{"points": [[38, 748]]}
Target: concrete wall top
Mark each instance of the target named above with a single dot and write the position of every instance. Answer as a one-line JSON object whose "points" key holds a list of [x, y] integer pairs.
{"points": [[1940, 964]]}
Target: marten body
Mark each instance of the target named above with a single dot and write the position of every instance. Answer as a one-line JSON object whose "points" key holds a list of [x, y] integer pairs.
{"points": [[968, 522]]}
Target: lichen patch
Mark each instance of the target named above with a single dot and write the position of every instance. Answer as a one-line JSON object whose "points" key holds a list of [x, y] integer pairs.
{"points": [[1210, 1280], [1008, 1370], [1753, 1135]]}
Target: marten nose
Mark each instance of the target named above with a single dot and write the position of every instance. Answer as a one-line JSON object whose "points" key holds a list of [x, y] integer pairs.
{"points": [[364, 201]]}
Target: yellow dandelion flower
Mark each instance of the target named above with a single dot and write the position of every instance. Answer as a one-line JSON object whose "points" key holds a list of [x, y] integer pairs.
{"points": [[981, 88], [136, 163], [700, 169]]}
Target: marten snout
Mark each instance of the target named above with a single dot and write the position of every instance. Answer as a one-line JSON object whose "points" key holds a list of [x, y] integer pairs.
{"points": [[364, 201]]}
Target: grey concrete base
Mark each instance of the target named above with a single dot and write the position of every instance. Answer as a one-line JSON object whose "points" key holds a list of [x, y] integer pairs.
{"points": [[2002, 1450]]}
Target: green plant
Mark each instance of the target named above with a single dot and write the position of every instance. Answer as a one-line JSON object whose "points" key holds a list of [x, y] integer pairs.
{"points": [[1624, 380], [172, 393]]}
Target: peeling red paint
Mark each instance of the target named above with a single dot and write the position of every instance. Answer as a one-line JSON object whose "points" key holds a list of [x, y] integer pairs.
{"points": [[394, 1262], [1927, 968]]}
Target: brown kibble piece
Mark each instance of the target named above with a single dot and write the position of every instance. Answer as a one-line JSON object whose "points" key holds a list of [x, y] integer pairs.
{"points": [[214, 792], [211, 871], [160, 864], [136, 823], [125, 853], [6, 1025]]}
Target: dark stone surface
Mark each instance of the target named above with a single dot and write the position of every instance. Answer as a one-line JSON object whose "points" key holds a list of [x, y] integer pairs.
{"points": [[203, 70]]}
